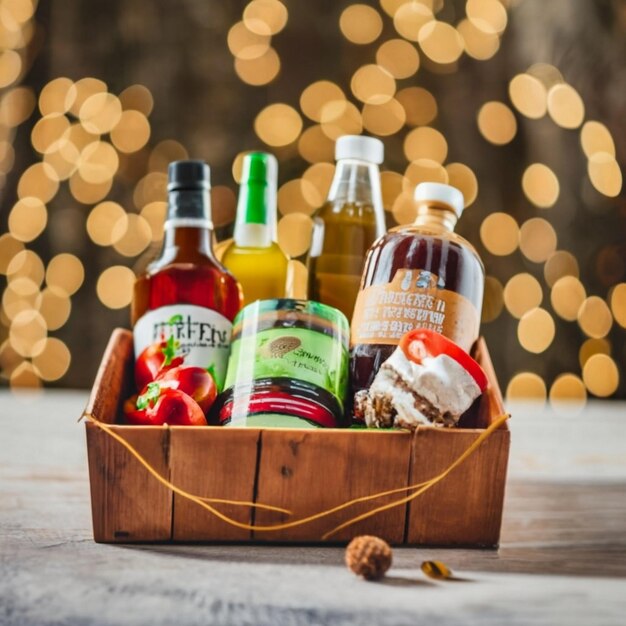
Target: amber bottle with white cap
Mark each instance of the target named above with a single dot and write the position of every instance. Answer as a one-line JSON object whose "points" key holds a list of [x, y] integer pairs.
{"points": [[422, 275], [347, 224]]}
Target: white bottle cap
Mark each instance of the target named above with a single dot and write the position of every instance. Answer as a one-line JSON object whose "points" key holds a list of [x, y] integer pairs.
{"points": [[360, 147], [444, 194]]}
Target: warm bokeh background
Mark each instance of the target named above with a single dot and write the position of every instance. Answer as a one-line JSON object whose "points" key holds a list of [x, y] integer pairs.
{"points": [[522, 104]]}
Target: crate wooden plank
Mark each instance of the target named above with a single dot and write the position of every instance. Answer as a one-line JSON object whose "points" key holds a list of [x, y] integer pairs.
{"points": [[114, 380], [465, 508], [309, 471], [491, 404], [218, 463], [127, 503]]}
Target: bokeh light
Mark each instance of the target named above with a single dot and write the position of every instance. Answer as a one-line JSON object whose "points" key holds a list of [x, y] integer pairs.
{"points": [[536, 330], [398, 57], [115, 286], [499, 233], [618, 304], [265, 17], [497, 123], [425, 143], [560, 263], [372, 84], [463, 178], [384, 119], [591, 347], [600, 375], [419, 105], [294, 233], [568, 394], [28, 218], [526, 386], [260, 70], [522, 293], [53, 361], [540, 185], [594, 317], [605, 174], [278, 125], [409, 18], [440, 42], [528, 96], [66, 272], [360, 24], [537, 239], [565, 106], [131, 132], [567, 296]]}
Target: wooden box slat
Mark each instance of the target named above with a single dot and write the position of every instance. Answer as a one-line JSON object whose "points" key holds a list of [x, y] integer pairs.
{"points": [[127, 503], [305, 471], [311, 471], [212, 462], [465, 508]]}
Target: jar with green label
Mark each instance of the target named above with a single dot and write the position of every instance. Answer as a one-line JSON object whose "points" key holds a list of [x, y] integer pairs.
{"points": [[288, 367]]}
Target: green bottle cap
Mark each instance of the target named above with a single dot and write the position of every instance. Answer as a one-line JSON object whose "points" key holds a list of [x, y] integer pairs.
{"points": [[257, 192]]}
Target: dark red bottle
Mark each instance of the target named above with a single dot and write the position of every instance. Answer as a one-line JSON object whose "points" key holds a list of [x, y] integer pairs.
{"points": [[186, 293], [422, 275]]}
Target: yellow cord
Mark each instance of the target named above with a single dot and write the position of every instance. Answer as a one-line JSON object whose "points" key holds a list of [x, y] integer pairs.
{"points": [[419, 488]]}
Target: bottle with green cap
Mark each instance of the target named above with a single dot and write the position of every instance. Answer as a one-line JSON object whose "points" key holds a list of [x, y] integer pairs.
{"points": [[254, 257]]}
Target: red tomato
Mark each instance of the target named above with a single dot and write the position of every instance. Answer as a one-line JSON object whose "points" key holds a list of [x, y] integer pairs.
{"points": [[177, 409], [194, 381], [134, 415], [420, 343], [154, 359], [158, 405]]}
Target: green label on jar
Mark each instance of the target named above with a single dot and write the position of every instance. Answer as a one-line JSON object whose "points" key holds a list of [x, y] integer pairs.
{"points": [[297, 353]]}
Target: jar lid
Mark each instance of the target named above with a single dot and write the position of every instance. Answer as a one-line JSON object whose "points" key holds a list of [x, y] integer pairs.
{"points": [[444, 194]]}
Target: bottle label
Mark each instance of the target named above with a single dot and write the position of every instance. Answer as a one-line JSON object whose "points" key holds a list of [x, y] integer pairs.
{"points": [[201, 336], [300, 354], [413, 299]]}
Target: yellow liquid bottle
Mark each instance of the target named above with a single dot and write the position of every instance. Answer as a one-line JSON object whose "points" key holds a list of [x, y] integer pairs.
{"points": [[254, 257], [347, 224]]}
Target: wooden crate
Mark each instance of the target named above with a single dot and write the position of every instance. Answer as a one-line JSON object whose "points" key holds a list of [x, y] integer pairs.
{"points": [[304, 471]]}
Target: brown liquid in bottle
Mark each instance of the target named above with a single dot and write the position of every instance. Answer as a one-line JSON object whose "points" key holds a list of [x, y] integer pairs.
{"points": [[187, 272], [440, 256]]}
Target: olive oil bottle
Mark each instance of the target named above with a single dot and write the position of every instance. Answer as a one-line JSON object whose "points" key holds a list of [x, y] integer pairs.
{"points": [[254, 257], [347, 224]]}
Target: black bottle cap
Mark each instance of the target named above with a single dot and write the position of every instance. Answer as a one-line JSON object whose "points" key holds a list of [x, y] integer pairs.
{"points": [[193, 174]]}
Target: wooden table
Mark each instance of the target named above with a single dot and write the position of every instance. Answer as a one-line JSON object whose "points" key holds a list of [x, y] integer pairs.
{"points": [[562, 559]]}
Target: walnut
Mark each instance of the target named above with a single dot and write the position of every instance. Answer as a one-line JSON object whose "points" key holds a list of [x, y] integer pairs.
{"points": [[368, 556]]}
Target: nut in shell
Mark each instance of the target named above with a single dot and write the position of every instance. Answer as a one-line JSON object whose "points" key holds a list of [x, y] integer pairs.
{"points": [[369, 557]]}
